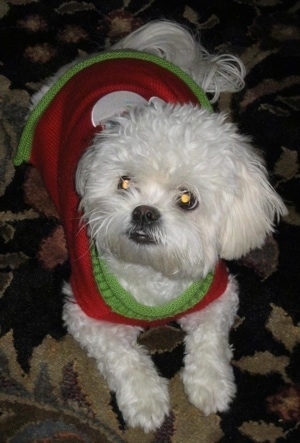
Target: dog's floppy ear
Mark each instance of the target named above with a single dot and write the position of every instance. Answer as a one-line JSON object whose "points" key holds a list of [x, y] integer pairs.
{"points": [[87, 161], [251, 210], [83, 170]]}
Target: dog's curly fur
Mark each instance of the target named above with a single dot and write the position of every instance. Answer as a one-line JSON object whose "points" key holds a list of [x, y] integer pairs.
{"points": [[156, 246]]}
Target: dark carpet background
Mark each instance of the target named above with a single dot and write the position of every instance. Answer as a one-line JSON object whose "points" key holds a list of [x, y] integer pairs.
{"points": [[50, 390]]}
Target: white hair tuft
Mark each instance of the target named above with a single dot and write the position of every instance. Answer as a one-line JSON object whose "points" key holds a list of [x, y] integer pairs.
{"points": [[171, 41]]}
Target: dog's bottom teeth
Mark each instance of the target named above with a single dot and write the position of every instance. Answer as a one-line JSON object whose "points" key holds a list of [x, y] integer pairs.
{"points": [[142, 238]]}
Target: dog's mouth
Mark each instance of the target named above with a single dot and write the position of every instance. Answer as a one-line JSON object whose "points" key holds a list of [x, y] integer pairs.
{"points": [[141, 237]]}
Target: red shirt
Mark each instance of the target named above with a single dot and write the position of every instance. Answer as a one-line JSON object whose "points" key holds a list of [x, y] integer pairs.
{"points": [[59, 131]]}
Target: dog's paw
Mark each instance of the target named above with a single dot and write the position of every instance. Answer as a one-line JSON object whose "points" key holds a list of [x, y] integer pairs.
{"points": [[144, 402], [210, 390]]}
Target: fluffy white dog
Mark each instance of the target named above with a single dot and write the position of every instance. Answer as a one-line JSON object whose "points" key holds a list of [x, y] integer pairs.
{"points": [[167, 190]]}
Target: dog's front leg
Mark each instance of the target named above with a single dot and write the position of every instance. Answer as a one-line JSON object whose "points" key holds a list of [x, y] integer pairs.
{"points": [[207, 375], [142, 395]]}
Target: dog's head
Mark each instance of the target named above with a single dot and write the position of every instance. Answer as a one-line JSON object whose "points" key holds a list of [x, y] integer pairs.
{"points": [[176, 188]]}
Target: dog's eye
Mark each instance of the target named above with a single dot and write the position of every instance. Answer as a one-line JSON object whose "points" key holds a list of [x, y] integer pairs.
{"points": [[187, 200], [124, 182]]}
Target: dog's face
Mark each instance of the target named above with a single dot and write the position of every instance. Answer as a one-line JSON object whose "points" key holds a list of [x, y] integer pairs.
{"points": [[175, 188]]}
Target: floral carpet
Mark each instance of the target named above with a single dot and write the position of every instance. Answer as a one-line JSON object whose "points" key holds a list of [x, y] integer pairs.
{"points": [[50, 391]]}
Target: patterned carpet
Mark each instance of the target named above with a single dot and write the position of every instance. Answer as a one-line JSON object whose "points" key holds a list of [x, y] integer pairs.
{"points": [[50, 390]]}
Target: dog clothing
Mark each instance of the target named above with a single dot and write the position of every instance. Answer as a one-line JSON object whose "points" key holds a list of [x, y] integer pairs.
{"points": [[60, 128]]}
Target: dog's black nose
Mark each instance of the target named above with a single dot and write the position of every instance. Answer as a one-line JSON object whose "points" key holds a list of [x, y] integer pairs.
{"points": [[145, 215]]}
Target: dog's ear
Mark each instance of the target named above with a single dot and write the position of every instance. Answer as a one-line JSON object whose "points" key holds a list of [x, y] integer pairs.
{"points": [[83, 170], [87, 161], [252, 209]]}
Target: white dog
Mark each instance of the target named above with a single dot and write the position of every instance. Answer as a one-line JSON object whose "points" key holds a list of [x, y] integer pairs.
{"points": [[167, 190]]}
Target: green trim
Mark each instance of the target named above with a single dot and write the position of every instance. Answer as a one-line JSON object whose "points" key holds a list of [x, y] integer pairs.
{"points": [[119, 300], [123, 303], [24, 149]]}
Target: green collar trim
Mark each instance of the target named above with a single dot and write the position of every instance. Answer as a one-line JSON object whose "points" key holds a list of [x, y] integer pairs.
{"points": [[26, 140], [123, 303]]}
